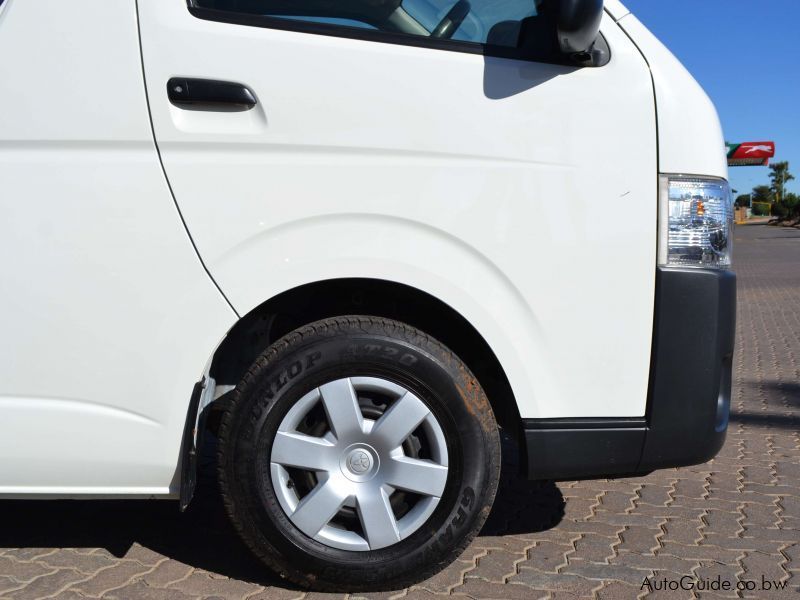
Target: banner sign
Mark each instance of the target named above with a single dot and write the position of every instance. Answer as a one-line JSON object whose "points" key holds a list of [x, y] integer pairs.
{"points": [[748, 154]]}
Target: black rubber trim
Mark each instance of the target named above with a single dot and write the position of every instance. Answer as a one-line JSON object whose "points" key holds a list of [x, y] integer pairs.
{"points": [[189, 450], [585, 423], [370, 35], [688, 400]]}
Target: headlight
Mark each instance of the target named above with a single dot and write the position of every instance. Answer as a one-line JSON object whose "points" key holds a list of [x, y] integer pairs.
{"points": [[695, 222]]}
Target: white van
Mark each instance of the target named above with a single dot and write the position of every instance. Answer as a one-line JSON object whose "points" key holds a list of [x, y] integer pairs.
{"points": [[354, 240]]}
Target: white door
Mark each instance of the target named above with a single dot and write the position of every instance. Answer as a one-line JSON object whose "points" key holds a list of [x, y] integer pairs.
{"points": [[521, 192]]}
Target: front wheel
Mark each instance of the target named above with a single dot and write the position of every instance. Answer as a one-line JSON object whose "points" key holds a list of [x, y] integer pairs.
{"points": [[358, 454]]}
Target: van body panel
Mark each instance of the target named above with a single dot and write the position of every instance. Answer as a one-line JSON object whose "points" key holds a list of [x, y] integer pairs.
{"points": [[690, 139], [615, 8], [479, 180], [107, 316]]}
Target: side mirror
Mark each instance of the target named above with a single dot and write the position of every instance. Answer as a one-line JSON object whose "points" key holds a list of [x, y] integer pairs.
{"points": [[578, 25]]}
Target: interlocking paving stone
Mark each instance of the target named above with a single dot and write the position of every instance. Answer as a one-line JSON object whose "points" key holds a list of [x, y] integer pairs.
{"points": [[689, 488], [617, 591], [662, 562], [46, 585], [723, 522], [446, 580], [365, 596], [564, 596], [640, 540], [202, 584], [496, 566], [682, 531], [7, 584], [760, 515], [618, 521], [598, 572], [418, 594], [659, 495], [711, 571], [722, 555], [88, 564], [509, 543], [547, 556], [139, 590], [26, 554], [771, 566], [668, 595], [167, 572], [737, 516], [657, 513], [143, 555], [760, 544], [580, 508], [566, 528], [22, 571], [617, 501], [110, 578], [593, 548], [73, 595], [277, 593], [479, 588], [538, 580], [706, 504]]}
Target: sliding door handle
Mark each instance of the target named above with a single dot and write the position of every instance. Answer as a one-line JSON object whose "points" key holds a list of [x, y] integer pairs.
{"points": [[222, 95]]}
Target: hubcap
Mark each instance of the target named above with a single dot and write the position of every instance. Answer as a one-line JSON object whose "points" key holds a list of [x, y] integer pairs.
{"points": [[359, 463]]}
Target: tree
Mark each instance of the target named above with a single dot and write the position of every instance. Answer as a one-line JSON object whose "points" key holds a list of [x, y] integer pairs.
{"points": [[762, 193], [792, 203], [742, 200], [779, 176]]}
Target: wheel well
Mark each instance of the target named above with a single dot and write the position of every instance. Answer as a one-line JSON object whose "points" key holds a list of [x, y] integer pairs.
{"points": [[305, 304]]}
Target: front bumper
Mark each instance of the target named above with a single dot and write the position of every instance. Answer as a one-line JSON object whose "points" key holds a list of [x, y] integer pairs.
{"points": [[688, 399]]}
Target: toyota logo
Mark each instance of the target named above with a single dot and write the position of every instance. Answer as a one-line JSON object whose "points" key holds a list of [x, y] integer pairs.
{"points": [[359, 462]]}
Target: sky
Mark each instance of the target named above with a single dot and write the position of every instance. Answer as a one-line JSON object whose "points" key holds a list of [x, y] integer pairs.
{"points": [[746, 55]]}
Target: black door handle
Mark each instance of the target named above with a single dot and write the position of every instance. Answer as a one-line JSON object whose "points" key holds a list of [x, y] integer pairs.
{"points": [[183, 91]]}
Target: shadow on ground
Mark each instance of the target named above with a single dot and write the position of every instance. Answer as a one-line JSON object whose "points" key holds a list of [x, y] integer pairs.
{"points": [[776, 392], [779, 400]]}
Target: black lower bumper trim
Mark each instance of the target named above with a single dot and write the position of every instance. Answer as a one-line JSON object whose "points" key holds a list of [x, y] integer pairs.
{"points": [[688, 400], [690, 388], [568, 452]]}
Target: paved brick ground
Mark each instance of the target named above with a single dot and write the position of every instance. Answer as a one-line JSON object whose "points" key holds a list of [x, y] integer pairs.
{"points": [[737, 517]]}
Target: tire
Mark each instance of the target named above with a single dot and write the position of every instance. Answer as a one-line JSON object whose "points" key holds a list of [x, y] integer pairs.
{"points": [[290, 448]]}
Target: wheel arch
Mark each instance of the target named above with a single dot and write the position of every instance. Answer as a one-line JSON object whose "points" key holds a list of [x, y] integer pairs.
{"points": [[303, 304]]}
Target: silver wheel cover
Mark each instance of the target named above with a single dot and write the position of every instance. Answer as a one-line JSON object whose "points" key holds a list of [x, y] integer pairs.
{"points": [[359, 463]]}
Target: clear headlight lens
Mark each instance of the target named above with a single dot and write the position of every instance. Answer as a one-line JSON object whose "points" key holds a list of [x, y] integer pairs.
{"points": [[695, 222]]}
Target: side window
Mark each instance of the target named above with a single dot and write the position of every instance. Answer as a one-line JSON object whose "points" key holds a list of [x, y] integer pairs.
{"points": [[481, 26], [494, 22]]}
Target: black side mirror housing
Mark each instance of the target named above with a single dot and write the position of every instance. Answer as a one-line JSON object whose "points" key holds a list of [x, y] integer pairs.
{"points": [[566, 32], [578, 25]]}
